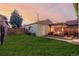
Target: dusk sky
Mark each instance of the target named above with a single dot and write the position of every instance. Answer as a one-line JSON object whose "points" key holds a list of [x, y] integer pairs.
{"points": [[54, 11]]}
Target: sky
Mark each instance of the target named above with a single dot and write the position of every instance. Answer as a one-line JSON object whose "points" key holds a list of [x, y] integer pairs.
{"points": [[56, 12]]}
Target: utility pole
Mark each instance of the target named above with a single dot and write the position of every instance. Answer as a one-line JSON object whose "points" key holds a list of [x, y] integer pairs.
{"points": [[37, 17]]}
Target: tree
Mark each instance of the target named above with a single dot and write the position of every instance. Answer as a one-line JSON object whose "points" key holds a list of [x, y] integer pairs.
{"points": [[16, 19]]}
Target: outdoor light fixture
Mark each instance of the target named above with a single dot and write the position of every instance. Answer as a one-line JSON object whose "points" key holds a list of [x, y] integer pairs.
{"points": [[62, 29], [58, 32]]}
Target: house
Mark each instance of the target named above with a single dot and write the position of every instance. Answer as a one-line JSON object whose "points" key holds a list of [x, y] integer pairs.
{"points": [[40, 28], [45, 27]]}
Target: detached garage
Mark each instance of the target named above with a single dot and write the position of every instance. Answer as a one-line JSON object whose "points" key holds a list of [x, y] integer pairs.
{"points": [[40, 28]]}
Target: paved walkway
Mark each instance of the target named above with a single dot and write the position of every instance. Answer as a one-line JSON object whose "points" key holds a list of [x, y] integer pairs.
{"points": [[73, 41]]}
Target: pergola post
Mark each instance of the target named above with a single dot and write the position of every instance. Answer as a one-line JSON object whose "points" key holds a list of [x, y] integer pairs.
{"points": [[50, 29]]}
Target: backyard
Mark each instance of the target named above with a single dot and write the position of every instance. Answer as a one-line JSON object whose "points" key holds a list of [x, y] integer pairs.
{"points": [[24, 45]]}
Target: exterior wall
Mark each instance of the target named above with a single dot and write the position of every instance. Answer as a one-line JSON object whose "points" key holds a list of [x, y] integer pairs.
{"points": [[42, 30]]}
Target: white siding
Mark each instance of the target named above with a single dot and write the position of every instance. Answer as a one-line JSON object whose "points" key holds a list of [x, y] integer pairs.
{"points": [[42, 30], [39, 29]]}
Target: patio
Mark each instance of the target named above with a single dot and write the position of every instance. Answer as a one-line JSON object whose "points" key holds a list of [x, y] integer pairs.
{"points": [[73, 41]]}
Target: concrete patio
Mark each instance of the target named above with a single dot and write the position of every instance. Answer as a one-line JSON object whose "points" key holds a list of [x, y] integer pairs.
{"points": [[73, 41]]}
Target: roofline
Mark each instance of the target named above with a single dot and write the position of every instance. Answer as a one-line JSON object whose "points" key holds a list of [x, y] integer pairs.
{"points": [[38, 22], [50, 24]]}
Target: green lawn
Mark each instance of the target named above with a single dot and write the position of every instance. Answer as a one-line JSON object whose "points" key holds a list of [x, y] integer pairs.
{"points": [[23, 45]]}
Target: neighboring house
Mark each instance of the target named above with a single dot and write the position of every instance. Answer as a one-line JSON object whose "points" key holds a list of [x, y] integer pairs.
{"points": [[40, 28]]}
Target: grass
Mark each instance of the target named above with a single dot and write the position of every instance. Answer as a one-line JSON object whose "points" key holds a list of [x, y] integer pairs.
{"points": [[23, 45]]}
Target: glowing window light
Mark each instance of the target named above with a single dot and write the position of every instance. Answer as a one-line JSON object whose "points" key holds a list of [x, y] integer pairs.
{"points": [[58, 32]]}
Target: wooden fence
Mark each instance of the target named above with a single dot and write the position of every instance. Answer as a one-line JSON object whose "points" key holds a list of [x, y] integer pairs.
{"points": [[15, 31]]}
